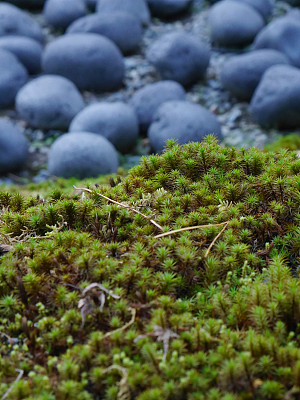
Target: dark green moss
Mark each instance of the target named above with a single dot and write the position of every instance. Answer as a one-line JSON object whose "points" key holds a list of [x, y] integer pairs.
{"points": [[192, 315]]}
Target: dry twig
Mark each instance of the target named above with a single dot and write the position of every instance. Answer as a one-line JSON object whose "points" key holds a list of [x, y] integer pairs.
{"points": [[121, 205], [189, 228], [21, 372], [215, 239], [124, 391], [133, 315]]}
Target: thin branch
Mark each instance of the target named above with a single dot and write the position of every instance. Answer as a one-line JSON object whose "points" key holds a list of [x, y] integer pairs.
{"points": [[121, 205], [215, 239], [133, 315], [189, 228], [21, 372]]}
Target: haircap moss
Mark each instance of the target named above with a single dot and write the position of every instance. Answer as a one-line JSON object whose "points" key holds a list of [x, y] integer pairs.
{"points": [[188, 272]]}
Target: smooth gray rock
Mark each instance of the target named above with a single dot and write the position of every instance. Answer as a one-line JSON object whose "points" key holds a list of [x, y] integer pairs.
{"points": [[49, 102], [61, 13], [149, 98], [241, 74], [180, 57], [122, 28], [82, 155], [234, 24], [13, 147], [91, 61], [138, 8], [28, 51], [183, 121], [264, 7], [14, 21], [282, 34], [117, 122], [168, 8], [13, 76], [276, 101]]}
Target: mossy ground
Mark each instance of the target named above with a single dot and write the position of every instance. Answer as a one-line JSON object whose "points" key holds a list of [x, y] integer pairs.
{"points": [[211, 313]]}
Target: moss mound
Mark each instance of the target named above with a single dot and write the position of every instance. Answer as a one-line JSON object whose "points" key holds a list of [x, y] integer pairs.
{"points": [[97, 303]]}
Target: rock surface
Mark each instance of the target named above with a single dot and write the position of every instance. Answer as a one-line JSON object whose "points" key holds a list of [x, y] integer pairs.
{"points": [[13, 76], [91, 61], [61, 13], [234, 24], [122, 28], [264, 7], [282, 34], [82, 155], [149, 98], [241, 74], [13, 147], [49, 102], [180, 56], [138, 8], [168, 8], [276, 101], [14, 21], [117, 122], [28, 51], [182, 121]]}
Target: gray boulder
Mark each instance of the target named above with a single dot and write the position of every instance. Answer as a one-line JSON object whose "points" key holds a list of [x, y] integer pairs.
{"points": [[61, 13], [27, 51], [276, 101], [14, 21], [49, 102], [264, 7], [241, 74], [282, 34], [168, 8], [138, 8], [82, 155], [13, 76], [91, 61], [149, 98], [234, 24], [122, 28], [180, 57], [13, 147], [117, 122], [183, 121]]}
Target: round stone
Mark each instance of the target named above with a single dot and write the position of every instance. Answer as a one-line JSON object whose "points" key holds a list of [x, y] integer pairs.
{"points": [[82, 155], [241, 74], [13, 76], [13, 147], [91, 61], [183, 121], [179, 56], [228, 25], [147, 100], [138, 8], [61, 13], [282, 34], [28, 51], [276, 101], [117, 122], [49, 102], [14, 21], [122, 28]]}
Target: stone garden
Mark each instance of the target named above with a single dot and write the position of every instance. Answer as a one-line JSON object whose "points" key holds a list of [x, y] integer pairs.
{"points": [[128, 75]]}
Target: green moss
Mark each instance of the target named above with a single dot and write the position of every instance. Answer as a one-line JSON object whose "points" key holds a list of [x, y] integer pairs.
{"points": [[94, 306]]}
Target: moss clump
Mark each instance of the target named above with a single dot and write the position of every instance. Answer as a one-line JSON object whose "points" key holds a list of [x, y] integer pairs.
{"points": [[94, 306], [289, 142]]}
